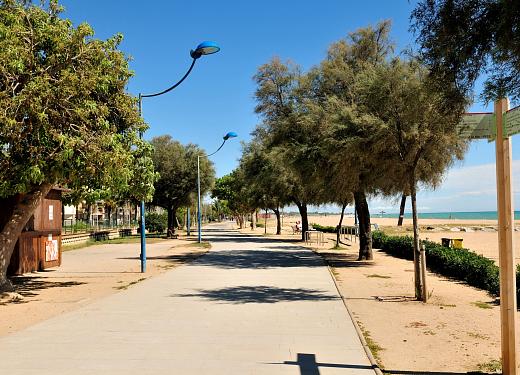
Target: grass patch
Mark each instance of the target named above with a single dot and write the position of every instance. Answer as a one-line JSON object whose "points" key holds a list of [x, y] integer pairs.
{"points": [[377, 276], [492, 366], [79, 245], [443, 305], [123, 287], [202, 245], [374, 347], [482, 305], [150, 238], [478, 336]]}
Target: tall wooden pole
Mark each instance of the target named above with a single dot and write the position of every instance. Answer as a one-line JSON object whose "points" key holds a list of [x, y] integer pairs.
{"points": [[506, 243]]}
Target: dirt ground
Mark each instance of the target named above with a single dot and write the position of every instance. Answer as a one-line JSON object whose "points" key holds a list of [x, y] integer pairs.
{"points": [[457, 331], [87, 274]]}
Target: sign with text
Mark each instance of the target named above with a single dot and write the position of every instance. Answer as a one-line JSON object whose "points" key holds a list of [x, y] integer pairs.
{"points": [[477, 126], [512, 122]]}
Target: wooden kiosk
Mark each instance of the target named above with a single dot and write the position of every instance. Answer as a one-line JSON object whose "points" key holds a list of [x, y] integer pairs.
{"points": [[39, 245]]}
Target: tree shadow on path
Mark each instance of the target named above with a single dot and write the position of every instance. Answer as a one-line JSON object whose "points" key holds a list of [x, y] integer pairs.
{"points": [[29, 286], [260, 294], [260, 259]]}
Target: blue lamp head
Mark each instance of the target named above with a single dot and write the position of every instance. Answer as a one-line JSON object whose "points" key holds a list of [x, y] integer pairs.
{"points": [[204, 48], [230, 135]]}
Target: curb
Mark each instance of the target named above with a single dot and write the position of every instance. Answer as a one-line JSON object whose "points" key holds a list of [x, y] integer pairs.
{"points": [[371, 358]]}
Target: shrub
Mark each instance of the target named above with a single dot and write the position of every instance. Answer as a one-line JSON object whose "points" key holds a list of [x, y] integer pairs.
{"points": [[324, 228], [155, 222], [461, 264]]}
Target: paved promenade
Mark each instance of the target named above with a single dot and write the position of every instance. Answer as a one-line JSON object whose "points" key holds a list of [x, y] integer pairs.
{"points": [[250, 306]]}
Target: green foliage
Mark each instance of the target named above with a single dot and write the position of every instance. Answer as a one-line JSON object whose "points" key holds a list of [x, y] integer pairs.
{"points": [[156, 222], [177, 166], [66, 116], [460, 40], [324, 228], [233, 189], [461, 264]]}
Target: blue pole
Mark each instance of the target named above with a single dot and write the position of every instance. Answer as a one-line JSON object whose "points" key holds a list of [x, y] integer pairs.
{"points": [[143, 240], [198, 194], [188, 222], [142, 256]]}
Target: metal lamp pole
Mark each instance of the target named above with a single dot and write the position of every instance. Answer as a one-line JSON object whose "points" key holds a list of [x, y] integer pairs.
{"points": [[226, 137], [204, 48]]}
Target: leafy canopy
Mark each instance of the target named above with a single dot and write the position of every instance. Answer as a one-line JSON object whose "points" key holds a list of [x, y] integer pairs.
{"points": [[462, 39], [66, 116], [177, 166]]}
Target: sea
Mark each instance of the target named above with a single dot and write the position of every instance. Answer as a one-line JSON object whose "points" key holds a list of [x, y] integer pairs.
{"points": [[479, 215]]}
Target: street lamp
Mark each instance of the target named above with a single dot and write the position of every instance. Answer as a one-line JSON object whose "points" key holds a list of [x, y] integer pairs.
{"points": [[226, 137], [204, 48]]}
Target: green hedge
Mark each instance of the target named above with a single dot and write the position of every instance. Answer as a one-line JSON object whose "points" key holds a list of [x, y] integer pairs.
{"points": [[324, 228], [461, 264], [155, 222]]}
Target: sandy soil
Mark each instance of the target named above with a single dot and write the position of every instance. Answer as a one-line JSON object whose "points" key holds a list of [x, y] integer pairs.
{"points": [[456, 331], [86, 275]]}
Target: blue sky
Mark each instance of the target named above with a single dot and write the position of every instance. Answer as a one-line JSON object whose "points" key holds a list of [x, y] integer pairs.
{"points": [[218, 95]]}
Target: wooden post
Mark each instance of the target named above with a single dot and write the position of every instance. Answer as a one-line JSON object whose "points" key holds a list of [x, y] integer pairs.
{"points": [[506, 243], [423, 272], [265, 222]]}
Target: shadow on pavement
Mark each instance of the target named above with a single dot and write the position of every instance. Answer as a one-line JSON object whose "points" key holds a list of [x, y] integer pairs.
{"points": [[308, 365], [260, 259], [260, 294]]}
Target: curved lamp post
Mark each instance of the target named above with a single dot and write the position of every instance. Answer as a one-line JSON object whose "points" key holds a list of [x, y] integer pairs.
{"points": [[204, 48], [225, 138]]}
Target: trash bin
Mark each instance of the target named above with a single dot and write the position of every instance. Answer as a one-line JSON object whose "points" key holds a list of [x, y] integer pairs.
{"points": [[446, 242], [457, 243]]}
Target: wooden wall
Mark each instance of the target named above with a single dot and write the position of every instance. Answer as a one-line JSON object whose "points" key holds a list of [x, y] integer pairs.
{"points": [[30, 251]]}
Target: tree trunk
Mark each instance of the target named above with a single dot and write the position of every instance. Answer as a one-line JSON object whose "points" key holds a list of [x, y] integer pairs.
{"points": [[253, 220], [365, 230], [401, 211], [302, 207], [419, 288], [338, 229], [278, 221], [265, 222], [22, 212], [172, 221]]}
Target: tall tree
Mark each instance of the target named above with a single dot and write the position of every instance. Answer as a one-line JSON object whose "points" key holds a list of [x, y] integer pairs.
{"points": [[233, 189], [420, 133], [177, 184], [281, 96], [66, 117], [461, 39], [351, 133], [266, 177]]}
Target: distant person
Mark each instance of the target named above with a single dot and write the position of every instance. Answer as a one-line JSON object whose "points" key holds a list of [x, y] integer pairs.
{"points": [[299, 225]]}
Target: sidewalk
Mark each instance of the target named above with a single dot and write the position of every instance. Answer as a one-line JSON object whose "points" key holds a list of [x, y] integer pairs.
{"points": [[250, 306]]}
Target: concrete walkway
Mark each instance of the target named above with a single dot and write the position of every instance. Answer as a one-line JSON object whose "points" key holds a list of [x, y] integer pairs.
{"points": [[250, 306]]}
